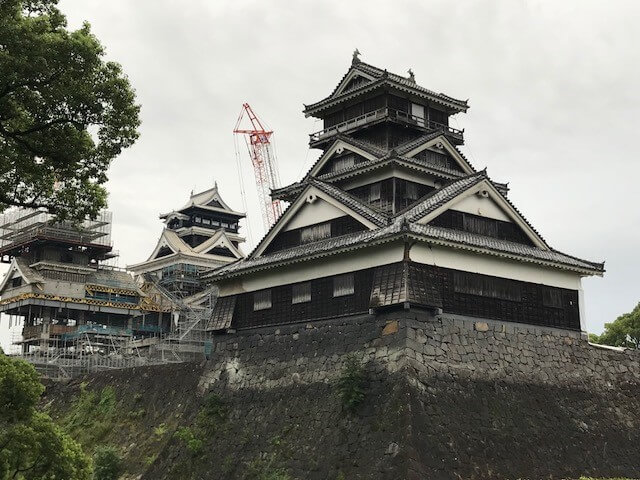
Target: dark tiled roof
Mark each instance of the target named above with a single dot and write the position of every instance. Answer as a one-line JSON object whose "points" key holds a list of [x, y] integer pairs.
{"points": [[363, 145], [449, 237], [398, 283], [504, 247], [290, 189], [410, 162], [382, 76], [403, 223], [439, 197], [443, 172], [407, 82], [406, 147], [447, 172], [376, 217], [305, 252], [358, 206], [222, 313]]}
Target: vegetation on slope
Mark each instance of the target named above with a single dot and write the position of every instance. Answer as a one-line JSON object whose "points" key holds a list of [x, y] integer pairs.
{"points": [[624, 331], [32, 446]]}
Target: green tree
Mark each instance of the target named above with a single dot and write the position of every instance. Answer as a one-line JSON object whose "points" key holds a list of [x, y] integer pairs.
{"points": [[351, 383], [624, 331], [65, 112], [107, 463], [31, 445]]}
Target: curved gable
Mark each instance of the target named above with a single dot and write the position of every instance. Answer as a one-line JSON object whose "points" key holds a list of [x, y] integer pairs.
{"points": [[442, 153], [476, 205], [340, 149]]}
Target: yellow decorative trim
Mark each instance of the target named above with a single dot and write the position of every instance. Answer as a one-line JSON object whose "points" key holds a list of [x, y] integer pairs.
{"points": [[102, 288], [146, 306]]}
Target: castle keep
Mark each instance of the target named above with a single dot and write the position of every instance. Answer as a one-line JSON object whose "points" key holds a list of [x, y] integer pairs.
{"points": [[398, 271], [392, 215]]}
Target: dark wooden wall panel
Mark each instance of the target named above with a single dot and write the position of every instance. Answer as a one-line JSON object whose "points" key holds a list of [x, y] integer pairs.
{"points": [[531, 308], [291, 238], [322, 304], [481, 225]]}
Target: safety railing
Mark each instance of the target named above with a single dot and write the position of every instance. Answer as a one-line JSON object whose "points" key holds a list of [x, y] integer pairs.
{"points": [[380, 114]]}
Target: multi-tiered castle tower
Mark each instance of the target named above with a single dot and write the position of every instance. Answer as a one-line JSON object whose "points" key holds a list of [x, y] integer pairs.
{"points": [[60, 289], [392, 215], [199, 236]]}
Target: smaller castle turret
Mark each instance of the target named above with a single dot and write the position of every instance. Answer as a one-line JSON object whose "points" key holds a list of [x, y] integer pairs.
{"points": [[201, 235]]}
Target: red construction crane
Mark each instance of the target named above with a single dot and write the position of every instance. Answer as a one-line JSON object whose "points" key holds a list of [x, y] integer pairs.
{"points": [[258, 140]]}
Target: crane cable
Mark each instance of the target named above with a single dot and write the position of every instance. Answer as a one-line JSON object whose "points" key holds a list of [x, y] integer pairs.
{"points": [[243, 193]]}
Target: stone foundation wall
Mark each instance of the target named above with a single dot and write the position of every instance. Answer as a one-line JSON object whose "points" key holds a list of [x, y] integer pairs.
{"points": [[487, 350], [446, 397], [418, 344]]}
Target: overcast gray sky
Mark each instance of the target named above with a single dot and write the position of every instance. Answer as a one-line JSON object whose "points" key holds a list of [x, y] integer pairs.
{"points": [[553, 89]]}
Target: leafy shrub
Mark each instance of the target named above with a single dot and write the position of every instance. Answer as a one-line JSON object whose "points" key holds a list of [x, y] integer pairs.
{"points": [[265, 468], [107, 463], [212, 414], [351, 383], [191, 440], [88, 407], [210, 418], [92, 416], [160, 430]]}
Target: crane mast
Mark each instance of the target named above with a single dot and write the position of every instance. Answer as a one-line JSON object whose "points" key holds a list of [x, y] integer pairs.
{"points": [[258, 140]]}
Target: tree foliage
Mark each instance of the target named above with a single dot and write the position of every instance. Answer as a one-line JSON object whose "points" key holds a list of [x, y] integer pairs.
{"points": [[31, 445], [65, 112], [351, 383], [107, 463], [624, 331]]}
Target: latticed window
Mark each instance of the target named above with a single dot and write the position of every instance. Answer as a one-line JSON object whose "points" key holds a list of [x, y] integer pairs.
{"points": [[485, 286], [374, 193], [343, 285], [301, 292], [411, 192], [344, 162], [481, 225], [315, 232], [551, 297], [262, 300], [434, 158]]}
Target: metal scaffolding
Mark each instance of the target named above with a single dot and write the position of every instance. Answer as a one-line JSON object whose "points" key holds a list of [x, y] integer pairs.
{"points": [[70, 350], [22, 224], [190, 340]]}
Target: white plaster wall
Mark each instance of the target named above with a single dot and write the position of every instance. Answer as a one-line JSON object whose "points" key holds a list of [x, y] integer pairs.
{"points": [[482, 206], [348, 262], [490, 265], [312, 213]]}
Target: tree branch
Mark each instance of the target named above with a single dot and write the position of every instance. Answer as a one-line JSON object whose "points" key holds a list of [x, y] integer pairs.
{"points": [[34, 151], [19, 470], [4, 445], [44, 126], [27, 204], [12, 88]]}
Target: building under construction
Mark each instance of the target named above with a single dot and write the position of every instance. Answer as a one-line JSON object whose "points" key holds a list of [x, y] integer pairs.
{"points": [[77, 314], [76, 311]]}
